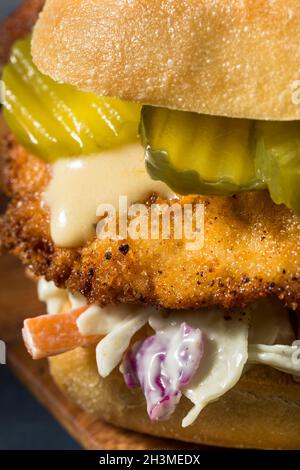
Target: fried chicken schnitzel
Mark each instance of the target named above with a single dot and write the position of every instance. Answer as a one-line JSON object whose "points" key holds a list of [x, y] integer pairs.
{"points": [[64, 151], [251, 249]]}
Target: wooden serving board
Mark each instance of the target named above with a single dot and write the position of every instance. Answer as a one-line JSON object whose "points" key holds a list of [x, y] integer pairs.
{"points": [[18, 300]]}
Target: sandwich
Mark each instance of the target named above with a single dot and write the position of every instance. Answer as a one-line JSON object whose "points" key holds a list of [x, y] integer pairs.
{"points": [[151, 155]]}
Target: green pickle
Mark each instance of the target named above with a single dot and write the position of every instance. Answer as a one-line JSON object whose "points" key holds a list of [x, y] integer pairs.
{"points": [[56, 120], [278, 160], [209, 155], [191, 153], [199, 154]]}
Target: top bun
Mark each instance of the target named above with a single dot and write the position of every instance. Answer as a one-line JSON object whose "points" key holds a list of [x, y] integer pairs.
{"points": [[222, 57]]}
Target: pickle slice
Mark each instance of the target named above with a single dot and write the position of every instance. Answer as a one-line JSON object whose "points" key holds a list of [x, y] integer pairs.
{"points": [[278, 160], [54, 120], [199, 154]]}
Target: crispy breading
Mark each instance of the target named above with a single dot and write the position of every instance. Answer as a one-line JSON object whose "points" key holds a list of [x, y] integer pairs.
{"points": [[251, 249], [252, 246]]}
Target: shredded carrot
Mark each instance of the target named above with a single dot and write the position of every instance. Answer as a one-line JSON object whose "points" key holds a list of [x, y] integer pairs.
{"points": [[49, 335]]}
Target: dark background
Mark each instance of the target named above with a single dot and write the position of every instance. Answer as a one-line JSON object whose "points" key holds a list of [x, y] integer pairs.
{"points": [[6, 6], [24, 424]]}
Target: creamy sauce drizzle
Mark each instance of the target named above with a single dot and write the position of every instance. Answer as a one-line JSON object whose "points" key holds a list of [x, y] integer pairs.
{"points": [[79, 185]]}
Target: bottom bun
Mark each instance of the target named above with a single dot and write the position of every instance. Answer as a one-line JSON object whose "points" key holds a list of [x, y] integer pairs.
{"points": [[262, 411]]}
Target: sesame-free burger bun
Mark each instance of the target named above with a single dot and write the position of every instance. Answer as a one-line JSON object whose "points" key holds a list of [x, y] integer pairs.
{"points": [[261, 411], [220, 57]]}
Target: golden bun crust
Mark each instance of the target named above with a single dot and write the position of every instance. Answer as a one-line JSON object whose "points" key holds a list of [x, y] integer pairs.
{"points": [[220, 57], [262, 411]]}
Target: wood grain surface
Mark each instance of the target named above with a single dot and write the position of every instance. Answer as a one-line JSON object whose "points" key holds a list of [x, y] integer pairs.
{"points": [[18, 300]]}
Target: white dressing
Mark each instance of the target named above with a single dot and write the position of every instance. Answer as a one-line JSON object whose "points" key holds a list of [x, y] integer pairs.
{"points": [[282, 357], [225, 354], [110, 350], [102, 321], [58, 300], [225, 337], [79, 185], [54, 297], [76, 300], [269, 323]]}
